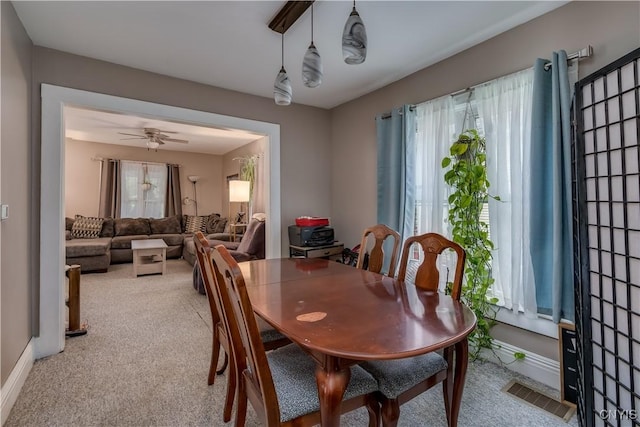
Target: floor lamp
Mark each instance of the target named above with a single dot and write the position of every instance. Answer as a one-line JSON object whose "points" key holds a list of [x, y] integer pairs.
{"points": [[239, 192], [194, 179]]}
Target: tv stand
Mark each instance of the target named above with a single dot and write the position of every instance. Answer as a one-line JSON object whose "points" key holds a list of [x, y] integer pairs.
{"points": [[325, 251]]}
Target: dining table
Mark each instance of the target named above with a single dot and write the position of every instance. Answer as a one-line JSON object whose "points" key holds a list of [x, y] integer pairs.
{"points": [[342, 316]]}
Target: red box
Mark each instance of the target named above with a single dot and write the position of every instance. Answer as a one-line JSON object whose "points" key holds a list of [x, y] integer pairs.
{"points": [[311, 221]]}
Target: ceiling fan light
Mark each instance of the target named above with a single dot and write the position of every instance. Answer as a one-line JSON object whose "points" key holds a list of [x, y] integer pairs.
{"points": [[153, 145], [354, 39], [282, 92], [312, 67]]}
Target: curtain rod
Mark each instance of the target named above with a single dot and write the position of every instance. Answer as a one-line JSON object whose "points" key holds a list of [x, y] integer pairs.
{"points": [[581, 54], [388, 115], [101, 159]]}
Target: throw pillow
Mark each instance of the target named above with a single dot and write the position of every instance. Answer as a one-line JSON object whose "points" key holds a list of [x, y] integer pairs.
{"points": [[196, 223], [86, 227], [215, 224]]}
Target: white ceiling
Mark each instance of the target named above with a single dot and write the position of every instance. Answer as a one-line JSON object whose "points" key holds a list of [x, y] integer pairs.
{"points": [[229, 45], [106, 127]]}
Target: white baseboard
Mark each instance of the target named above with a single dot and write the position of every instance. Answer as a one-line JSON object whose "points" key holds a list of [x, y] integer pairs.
{"points": [[11, 388], [539, 368]]}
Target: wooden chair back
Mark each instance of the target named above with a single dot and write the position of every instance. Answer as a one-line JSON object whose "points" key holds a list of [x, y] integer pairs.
{"points": [[427, 275], [380, 233], [249, 352]]}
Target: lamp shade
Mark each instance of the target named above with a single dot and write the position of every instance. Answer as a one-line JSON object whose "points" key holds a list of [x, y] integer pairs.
{"points": [[239, 191], [153, 145], [312, 67], [282, 92], [354, 39]]}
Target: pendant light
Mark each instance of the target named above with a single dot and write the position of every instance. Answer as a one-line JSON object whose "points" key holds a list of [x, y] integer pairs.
{"points": [[312, 64], [354, 39], [282, 92]]}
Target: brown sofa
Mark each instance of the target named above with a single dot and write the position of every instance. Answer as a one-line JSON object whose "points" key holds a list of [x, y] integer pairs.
{"points": [[113, 245]]}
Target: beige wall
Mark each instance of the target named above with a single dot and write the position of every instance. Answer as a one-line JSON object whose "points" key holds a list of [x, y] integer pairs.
{"points": [[82, 175], [15, 179], [612, 28]]}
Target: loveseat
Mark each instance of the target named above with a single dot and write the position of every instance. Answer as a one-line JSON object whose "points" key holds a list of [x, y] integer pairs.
{"points": [[250, 247], [95, 243]]}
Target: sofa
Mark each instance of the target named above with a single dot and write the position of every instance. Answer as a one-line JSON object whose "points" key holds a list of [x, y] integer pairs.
{"points": [[95, 243]]}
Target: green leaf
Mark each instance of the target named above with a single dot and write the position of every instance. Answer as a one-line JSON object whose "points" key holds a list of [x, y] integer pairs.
{"points": [[446, 162], [519, 356]]}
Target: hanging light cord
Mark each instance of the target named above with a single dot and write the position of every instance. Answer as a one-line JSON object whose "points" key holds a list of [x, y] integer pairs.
{"points": [[282, 50], [312, 22]]}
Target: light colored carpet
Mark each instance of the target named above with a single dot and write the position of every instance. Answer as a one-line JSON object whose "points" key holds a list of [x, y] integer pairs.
{"points": [[145, 361]]}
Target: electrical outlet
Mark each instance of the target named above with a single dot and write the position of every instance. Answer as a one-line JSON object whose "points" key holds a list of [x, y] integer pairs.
{"points": [[5, 212]]}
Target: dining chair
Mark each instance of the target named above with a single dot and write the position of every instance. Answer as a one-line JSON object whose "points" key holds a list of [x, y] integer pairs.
{"points": [[270, 336], [373, 260], [401, 380], [280, 385]]}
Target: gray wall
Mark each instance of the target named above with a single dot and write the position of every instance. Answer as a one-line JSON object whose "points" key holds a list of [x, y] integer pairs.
{"points": [[15, 262], [612, 28]]}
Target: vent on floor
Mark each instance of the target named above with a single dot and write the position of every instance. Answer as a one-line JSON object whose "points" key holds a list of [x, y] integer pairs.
{"points": [[537, 399]]}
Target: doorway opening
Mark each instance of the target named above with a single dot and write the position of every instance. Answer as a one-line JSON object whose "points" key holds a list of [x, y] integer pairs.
{"points": [[51, 309]]}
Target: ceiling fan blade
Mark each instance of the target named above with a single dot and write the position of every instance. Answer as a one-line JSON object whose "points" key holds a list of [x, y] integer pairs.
{"points": [[181, 141], [133, 134], [156, 131], [127, 139]]}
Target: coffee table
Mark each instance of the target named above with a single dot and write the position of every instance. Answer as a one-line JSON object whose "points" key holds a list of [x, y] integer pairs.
{"points": [[149, 256]]}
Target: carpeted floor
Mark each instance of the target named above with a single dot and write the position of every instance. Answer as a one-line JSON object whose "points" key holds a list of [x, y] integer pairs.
{"points": [[145, 360]]}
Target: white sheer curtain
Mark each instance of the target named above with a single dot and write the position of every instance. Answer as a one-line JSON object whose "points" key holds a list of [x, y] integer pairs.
{"points": [[504, 106], [436, 130], [138, 200]]}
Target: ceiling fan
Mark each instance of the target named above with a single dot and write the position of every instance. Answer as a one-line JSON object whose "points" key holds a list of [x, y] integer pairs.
{"points": [[155, 137]]}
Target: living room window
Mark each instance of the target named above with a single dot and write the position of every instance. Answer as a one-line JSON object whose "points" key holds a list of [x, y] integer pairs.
{"points": [[498, 110], [144, 189]]}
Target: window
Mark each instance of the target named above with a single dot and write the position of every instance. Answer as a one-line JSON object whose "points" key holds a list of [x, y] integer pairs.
{"points": [[500, 110], [144, 188]]}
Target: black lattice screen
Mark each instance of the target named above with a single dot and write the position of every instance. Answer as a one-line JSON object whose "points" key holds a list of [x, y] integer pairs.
{"points": [[607, 201]]}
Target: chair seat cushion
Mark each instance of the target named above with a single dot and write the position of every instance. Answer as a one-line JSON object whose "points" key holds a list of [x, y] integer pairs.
{"points": [[396, 376], [293, 373]]}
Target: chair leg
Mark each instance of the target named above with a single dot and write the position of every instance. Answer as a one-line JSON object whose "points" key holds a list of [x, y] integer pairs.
{"points": [[390, 412], [231, 392], [215, 353], [241, 407], [373, 407]]}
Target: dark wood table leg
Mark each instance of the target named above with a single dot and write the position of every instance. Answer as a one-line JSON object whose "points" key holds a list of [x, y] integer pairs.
{"points": [[332, 382], [461, 361]]}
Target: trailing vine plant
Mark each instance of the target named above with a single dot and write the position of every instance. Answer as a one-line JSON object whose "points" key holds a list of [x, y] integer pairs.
{"points": [[467, 176]]}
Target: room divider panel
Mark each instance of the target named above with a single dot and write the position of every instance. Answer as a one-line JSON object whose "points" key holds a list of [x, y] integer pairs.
{"points": [[607, 244]]}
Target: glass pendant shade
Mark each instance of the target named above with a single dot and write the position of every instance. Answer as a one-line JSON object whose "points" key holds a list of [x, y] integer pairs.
{"points": [[153, 145], [312, 67], [354, 39], [282, 92]]}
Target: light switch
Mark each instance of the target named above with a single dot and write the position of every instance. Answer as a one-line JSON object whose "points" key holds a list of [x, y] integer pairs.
{"points": [[5, 212]]}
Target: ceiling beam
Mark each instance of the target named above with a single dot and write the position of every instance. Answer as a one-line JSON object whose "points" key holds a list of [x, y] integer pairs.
{"points": [[290, 12]]}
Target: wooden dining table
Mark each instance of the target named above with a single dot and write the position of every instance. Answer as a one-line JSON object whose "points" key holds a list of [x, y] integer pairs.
{"points": [[342, 316]]}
